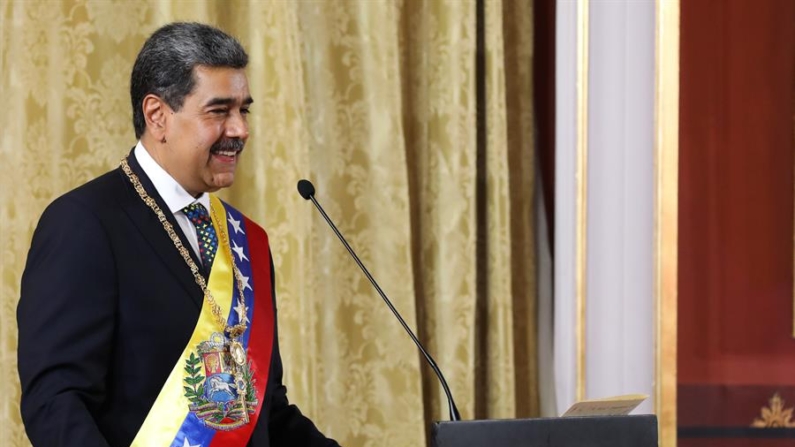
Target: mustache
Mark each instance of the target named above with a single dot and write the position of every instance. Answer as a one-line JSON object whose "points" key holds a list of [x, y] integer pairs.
{"points": [[232, 144]]}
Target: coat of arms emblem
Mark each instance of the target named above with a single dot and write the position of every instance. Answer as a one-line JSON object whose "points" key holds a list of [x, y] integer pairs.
{"points": [[220, 387]]}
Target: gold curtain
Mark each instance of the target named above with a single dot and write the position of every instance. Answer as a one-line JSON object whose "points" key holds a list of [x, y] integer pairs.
{"points": [[374, 101]]}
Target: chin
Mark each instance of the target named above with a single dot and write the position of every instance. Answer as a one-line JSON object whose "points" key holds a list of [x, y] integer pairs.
{"points": [[221, 182]]}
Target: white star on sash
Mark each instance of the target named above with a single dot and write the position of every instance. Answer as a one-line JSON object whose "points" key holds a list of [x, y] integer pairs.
{"points": [[186, 443], [244, 280], [236, 225], [242, 312], [239, 251]]}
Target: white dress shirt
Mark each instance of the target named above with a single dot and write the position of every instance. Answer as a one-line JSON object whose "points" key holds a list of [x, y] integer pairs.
{"points": [[173, 194]]}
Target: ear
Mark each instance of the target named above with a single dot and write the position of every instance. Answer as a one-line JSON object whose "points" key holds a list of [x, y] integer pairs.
{"points": [[155, 111]]}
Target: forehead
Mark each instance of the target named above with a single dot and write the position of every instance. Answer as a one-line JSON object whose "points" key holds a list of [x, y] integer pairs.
{"points": [[219, 82]]}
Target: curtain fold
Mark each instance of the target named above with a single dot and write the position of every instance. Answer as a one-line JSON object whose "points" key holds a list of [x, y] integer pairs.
{"points": [[375, 102]]}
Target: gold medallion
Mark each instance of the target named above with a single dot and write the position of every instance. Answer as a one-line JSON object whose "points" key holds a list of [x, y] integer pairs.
{"points": [[237, 352]]}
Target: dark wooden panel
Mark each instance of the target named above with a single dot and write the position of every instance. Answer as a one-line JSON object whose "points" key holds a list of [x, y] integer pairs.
{"points": [[728, 406], [736, 192]]}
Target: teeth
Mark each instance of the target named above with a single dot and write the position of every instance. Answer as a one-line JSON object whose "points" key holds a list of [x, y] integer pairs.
{"points": [[227, 153]]}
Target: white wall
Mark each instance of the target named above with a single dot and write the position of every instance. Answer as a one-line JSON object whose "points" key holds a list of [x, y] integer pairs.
{"points": [[619, 325], [620, 302]]}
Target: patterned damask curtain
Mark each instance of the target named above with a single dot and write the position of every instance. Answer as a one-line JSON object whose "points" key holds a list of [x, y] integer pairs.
{"points": [[375, 102]]}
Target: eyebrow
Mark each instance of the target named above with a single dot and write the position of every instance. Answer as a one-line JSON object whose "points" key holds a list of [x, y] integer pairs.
{"points": [[227, 101]]}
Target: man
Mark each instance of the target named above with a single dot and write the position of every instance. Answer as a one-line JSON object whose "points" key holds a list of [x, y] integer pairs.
{"points": [[147, 314]]}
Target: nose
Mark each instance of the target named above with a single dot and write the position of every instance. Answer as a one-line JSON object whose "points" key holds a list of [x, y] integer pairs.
{"points": [[237, 126]]}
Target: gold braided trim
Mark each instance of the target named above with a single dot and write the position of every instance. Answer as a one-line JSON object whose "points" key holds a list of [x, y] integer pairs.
{"points": [[233, 331]]}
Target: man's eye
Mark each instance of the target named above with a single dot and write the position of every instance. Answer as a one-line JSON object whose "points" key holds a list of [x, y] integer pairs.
{"points": [[245, 111], [218, 111]]}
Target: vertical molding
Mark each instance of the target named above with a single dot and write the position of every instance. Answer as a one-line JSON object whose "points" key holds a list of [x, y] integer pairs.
{"points": [[566, 211], [583, 8], [666, 154]]}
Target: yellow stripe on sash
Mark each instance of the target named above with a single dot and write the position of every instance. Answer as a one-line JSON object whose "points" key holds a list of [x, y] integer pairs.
{"points": [[171, 406]]}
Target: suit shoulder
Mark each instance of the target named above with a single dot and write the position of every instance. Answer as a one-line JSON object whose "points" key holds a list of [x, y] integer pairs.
{"points": [[96, 194], [80, 214]]}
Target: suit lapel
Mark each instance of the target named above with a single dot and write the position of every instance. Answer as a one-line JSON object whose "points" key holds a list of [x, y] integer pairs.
{"points": [[152, 230]]}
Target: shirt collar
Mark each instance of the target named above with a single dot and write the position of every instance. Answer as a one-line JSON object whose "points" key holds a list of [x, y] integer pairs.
{"points": [[173, 193]]}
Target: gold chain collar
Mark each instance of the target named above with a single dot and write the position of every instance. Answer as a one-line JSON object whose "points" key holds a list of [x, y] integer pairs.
{"points": [[233, 331]]}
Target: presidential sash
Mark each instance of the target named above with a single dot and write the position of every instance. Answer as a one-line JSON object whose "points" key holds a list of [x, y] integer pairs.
{"points": [[215, 392]]}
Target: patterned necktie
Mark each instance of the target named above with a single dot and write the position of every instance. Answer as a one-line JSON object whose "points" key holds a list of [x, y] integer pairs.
{"points": [[208, 240]]}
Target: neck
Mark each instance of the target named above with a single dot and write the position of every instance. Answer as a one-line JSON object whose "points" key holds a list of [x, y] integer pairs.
{"points": [[158, 150]]}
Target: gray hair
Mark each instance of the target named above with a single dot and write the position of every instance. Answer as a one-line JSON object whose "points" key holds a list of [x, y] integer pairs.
{"points": [[164, 67]]}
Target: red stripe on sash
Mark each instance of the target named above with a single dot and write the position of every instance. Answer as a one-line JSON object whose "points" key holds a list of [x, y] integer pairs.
{"points": [[260, 343]]}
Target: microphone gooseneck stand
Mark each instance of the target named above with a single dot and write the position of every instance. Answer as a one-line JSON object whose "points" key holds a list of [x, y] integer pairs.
{"points": [[307, 191]]}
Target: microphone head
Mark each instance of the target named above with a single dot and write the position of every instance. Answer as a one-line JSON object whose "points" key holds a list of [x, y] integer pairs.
{"points": [[306, 188]]}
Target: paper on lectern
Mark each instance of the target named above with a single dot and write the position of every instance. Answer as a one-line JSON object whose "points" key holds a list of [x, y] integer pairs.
{"points": [[608, 406]]}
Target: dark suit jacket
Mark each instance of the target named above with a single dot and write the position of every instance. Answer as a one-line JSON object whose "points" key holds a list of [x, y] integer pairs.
{"points": [[107, 307]]}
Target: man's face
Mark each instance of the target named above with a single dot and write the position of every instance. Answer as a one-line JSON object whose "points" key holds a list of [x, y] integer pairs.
{"points": [[205, 138]]}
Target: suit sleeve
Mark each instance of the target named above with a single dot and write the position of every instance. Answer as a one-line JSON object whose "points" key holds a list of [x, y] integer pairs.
{"points": [[66, 323], [287, 425]]}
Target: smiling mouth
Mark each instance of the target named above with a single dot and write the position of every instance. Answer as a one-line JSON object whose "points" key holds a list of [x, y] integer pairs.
{"points": [[227, 148], [226, 153]]}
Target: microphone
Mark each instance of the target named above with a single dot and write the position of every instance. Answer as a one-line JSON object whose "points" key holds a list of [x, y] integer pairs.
{"points": [[307, 191]]}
